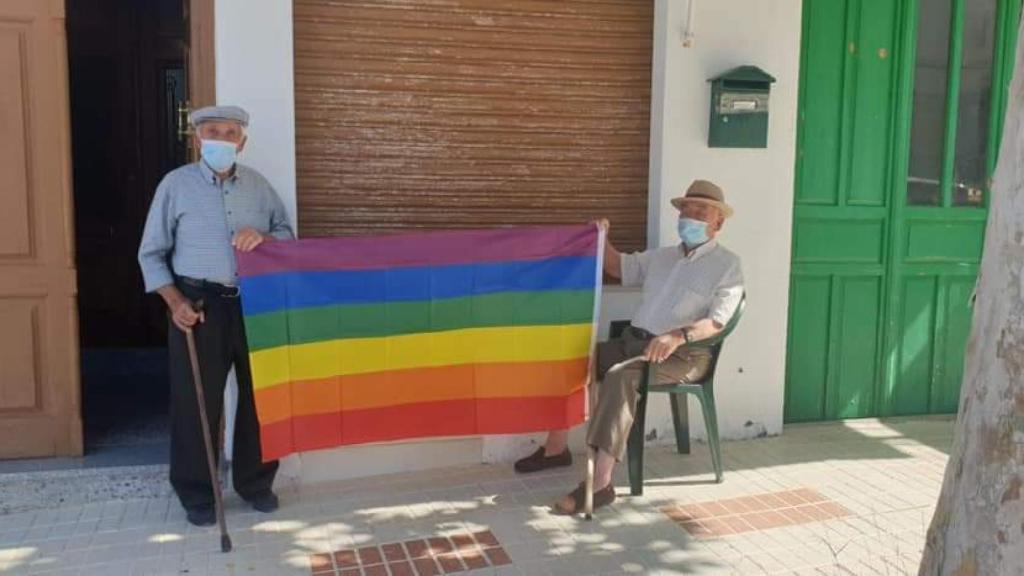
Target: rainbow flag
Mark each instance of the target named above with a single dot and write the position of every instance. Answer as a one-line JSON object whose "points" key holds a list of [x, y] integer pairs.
{"points": [[367, 339]]}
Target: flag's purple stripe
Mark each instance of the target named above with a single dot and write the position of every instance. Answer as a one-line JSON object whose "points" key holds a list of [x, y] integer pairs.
{"points": [[419, 249]]}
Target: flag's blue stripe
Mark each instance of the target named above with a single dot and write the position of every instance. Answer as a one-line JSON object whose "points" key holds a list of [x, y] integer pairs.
{"points": [[272, 292]]}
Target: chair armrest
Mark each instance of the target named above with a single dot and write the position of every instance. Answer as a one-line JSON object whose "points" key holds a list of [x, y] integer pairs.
{"points": [[723, 333], [709, 342]]}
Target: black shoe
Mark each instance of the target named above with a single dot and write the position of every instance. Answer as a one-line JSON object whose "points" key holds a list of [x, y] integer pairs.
{"points": [[266, 502], [538, 461], [575, 502], [201, 516]]}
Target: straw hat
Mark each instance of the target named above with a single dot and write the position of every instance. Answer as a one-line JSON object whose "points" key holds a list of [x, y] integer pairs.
{"points": [[704, 192]]}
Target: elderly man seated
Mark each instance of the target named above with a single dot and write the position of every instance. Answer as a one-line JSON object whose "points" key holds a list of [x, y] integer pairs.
{"points": [[690, 291]]}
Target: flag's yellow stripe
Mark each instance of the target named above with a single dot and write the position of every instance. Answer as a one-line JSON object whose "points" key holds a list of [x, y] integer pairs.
{"points": [[274, 366]]}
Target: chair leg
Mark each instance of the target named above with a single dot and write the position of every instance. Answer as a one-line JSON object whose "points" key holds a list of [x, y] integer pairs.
{"points": [[635, 445], [681, 422], [707, 404]]}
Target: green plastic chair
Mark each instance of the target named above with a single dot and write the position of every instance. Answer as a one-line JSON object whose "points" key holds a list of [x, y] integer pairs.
{"points": [[703, 390]]}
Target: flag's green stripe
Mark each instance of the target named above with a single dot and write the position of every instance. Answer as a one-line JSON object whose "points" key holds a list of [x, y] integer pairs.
{"points": [[304, 325]]}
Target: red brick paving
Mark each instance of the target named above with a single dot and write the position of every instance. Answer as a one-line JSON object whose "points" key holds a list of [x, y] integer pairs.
{"points": [[749, 513], [463, 541], [401, 569], [393, 552], [346, 559], [450, 563], [497, 556], [430, 557], [486, 538], [321, 564], [474, 558], [417, 549], [369, 555], [426, 567]]}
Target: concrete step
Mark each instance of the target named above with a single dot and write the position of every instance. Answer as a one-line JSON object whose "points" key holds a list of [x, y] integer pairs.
{"points": [[42, 489]]}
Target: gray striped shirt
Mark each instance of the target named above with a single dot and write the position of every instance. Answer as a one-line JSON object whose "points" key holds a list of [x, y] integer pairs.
{"points": [[193, 218]]}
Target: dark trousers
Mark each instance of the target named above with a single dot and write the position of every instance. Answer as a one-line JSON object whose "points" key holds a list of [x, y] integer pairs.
{"points": [[220, 342]]}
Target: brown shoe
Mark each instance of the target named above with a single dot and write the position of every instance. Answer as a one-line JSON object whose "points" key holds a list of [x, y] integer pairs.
{"points": [[574, 502], [538, 461]]}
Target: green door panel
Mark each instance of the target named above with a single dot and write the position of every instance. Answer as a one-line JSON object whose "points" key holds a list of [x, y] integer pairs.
{"points": [[841, 214], [900, 113], [951, 241], [935, 324], [822, 100], [848, 240], [917, 328], [857, 348], [833, 365], [807, 361], [874, 89], [949, 374]]}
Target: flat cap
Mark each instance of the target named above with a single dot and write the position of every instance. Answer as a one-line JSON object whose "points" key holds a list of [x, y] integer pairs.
{"points": [[219, 114]]}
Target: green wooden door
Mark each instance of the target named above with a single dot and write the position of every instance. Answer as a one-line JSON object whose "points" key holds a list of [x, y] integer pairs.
{"points": [[898, 129]]}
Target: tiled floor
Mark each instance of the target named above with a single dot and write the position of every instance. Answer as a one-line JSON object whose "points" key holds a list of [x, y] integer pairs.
{"points": [[851, 498], [458, 552], [718, 518]]}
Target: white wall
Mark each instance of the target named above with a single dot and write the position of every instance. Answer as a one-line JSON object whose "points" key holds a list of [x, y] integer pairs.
{"points": [[255, 70], [254, 63], [758, 183]]}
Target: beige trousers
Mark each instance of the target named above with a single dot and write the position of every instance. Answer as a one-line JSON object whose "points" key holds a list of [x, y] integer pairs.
{"points": [[612, 415]]}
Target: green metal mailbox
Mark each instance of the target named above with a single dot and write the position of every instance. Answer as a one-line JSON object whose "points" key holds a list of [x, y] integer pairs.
{"points": [[739, 108]]}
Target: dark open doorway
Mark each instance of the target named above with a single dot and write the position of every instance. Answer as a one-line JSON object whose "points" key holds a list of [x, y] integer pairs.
{"points": [[128, 79]]}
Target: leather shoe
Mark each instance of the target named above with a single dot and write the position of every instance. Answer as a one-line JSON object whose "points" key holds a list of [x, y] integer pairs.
{"points": [[538, 461], [575, 501], [201, 516], [265, 502]]}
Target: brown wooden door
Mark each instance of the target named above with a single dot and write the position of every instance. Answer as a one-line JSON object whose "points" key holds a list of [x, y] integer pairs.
{"points": [[39, 390]]}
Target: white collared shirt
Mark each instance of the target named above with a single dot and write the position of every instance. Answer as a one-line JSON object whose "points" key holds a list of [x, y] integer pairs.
{"points": [[680, 289]]}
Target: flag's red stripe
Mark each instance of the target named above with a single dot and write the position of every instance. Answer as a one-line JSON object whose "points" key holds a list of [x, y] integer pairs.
{"points": [[447, 418]]}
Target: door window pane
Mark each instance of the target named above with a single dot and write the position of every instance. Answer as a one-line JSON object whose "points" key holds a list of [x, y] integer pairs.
{"points": [[929, 119], [970, 169]]}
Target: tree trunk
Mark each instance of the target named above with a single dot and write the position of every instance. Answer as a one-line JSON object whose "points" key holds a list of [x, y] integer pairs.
{"points": [[978, 527]]}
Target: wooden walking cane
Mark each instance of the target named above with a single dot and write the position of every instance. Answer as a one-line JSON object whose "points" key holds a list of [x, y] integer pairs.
{"points": [[588, 491], [197, 380]]}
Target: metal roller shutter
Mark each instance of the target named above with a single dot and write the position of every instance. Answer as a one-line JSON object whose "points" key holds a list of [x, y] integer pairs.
{"points": [[420, 114]]}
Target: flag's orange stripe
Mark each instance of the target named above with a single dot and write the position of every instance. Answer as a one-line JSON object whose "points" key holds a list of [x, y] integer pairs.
{"points": [[448, 418], [420, 385]]}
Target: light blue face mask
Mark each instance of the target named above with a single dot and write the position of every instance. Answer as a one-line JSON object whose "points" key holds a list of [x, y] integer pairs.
{"points": [[219, 155], [693, 232]]}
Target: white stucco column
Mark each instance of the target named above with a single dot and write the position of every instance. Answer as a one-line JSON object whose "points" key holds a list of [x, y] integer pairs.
{"points": [[757, 182], [254, 67], [254, 63]]}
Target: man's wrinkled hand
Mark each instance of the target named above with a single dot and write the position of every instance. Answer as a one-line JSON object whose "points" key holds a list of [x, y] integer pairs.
{"points": [[660, 348], [185, 316], [247, 240]]}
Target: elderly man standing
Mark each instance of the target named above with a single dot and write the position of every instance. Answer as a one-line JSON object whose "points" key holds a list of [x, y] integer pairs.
{"points": [[690, 291], [201, 213]]}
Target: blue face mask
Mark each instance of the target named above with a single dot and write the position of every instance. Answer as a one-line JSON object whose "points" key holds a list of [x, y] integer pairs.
{"points": [[219, 155], [693, 232]]}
